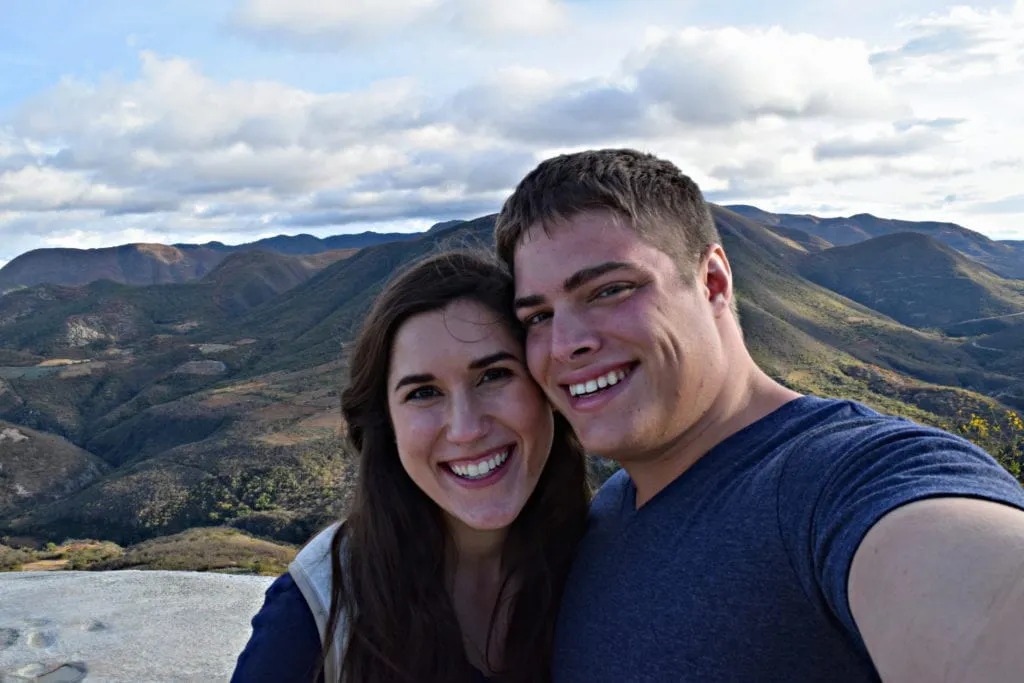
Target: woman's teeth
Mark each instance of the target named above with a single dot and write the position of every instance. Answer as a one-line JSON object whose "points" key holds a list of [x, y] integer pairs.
{"points": [[595, 385], [479, 470]]}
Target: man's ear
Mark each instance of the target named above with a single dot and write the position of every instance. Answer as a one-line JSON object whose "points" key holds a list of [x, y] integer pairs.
{"points": [[717, 278]]}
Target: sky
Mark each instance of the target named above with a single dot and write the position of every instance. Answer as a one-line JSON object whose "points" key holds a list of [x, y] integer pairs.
{"points": [[233, 120]]}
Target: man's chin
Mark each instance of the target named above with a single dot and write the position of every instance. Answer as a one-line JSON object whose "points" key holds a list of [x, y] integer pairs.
{"points": [[607, 446]]}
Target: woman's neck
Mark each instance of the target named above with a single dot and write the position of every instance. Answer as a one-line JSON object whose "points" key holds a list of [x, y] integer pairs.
{"points": [[476, 579], [475, 548]]}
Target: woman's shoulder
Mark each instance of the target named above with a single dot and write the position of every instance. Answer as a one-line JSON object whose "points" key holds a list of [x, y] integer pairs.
{"points": [[285, 642], [312, 570]]}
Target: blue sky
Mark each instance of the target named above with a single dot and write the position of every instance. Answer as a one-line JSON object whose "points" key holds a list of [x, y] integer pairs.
{"points": [[237, 119]]}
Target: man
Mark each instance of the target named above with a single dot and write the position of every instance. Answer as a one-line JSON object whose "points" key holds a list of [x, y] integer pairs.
{"points": [[754, 534]]}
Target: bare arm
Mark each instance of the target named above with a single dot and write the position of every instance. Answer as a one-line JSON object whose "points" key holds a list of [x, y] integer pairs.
{"points": [[937, 591]]}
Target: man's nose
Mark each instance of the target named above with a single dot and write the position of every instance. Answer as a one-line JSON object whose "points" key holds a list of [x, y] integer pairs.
{"points": [[571, 338], [467, 422]]}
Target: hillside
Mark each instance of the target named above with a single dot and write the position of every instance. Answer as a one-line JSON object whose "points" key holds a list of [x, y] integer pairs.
{"points": [[247, 279], [37, 468], [919, 281], [105, 314], [1005, 258], [262, 455]]}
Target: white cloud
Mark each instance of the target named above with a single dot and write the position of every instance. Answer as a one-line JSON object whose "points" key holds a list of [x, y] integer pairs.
{"points": [[887, 140], [725, 75], [964, 42], [39, 188], [340, 23], [681, 80], [771, 116]]}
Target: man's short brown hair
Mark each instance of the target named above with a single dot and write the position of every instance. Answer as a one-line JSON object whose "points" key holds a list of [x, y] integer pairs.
{"points": [[662, 203]]}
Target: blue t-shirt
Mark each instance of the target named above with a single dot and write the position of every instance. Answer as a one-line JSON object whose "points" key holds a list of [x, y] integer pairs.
{"points": [[737, 570]]}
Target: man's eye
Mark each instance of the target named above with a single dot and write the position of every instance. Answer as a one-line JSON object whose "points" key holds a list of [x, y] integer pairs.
{"points": [[612, 290], [536, 318], [493, 374]]}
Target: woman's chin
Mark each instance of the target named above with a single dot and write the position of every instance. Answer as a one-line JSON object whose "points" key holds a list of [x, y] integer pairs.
{"points": [[489, 520]]}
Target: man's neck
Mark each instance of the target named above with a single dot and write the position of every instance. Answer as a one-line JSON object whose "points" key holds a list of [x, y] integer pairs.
{"points": [[741, 402]]}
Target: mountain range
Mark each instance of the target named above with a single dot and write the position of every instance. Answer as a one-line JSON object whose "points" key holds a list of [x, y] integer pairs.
{"points": [[158, 407], [155, 264]]}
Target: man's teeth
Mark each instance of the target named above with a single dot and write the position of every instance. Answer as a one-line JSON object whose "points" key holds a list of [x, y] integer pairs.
{"points": [[589, 387], [479, 470]]}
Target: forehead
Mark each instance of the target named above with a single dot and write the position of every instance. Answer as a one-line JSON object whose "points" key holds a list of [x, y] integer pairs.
{"points": [[545, 258], [454, 336]]}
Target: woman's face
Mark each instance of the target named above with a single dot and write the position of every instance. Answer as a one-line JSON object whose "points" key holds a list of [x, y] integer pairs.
{"points": [[473, 430]]}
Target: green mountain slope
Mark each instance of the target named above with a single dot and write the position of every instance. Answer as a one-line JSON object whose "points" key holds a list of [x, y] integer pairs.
{"points": [[47, 318], [919, 281], [1004, 258], [37, 468]]}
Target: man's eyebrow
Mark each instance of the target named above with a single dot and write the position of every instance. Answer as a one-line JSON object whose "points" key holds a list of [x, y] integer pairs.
{"points": [[413, 379], [491, 359], [582, 277], [574, 281]]}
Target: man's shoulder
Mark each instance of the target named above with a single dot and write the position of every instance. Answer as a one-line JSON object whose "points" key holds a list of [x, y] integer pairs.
{"points": [[818, 422], [609, 497], [813, 441]]}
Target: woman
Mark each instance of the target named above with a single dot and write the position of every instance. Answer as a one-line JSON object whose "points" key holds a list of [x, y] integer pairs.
{"points": [[470, 498]]}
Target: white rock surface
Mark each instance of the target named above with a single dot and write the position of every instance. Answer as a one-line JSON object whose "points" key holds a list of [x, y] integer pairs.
{"points": [[124, 626]]}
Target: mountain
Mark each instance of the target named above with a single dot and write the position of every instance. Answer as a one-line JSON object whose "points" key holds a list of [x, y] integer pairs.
{"points": [[1004, 258], [211, 415], [46, 317], [36, 467], [247, 279], [152, 264], [919, 281], [308, 244], [129, 263]]}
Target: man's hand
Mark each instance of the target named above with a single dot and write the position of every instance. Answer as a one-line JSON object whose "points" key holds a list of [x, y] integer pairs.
{"points": [[937, 591]]}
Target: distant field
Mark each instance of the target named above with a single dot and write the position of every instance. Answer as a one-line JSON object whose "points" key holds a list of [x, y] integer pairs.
{"points": [[205, 549]]}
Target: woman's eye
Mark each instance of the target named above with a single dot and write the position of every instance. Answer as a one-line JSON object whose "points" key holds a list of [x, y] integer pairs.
{"points": [[493, 374], [422, 393]]}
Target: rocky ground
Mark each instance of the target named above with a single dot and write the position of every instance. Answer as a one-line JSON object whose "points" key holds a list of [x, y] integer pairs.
{"points": [[124, 626]]}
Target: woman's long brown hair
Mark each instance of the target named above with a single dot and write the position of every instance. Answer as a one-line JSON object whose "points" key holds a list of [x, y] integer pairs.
{"points": [[402, 626]]}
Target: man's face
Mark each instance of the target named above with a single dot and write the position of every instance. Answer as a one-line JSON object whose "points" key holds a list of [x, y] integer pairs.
{"points": [[624, 345]]}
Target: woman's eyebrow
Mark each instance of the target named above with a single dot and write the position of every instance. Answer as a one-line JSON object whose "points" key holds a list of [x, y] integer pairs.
{"points": [[413, 379]]}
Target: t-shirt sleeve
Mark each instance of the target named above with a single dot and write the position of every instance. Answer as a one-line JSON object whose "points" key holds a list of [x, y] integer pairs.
{"points": [[285, 643], [838, 484]]}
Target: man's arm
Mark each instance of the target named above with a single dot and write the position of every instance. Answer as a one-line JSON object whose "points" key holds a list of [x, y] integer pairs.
{"points": [[936, 589]]}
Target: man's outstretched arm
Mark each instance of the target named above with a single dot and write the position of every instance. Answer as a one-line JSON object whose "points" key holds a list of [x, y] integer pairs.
{"points": [[937, 592]]}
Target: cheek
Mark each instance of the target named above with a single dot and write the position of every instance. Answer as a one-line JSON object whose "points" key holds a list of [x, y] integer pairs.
{"points": [[529, 414], [537, 354], [415, 434]]}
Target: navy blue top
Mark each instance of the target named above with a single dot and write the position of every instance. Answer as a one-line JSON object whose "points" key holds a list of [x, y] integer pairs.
{"points": [[737, 571], [285, 644]]}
